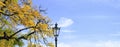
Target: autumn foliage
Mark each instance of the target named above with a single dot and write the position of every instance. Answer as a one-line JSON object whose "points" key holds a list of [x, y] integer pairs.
{"points": [[15, 13]]}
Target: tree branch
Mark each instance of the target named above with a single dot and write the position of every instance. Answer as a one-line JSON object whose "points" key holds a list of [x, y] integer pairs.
{"points": [[23, 37], [26, 28], [8, 14], [21, 30]]}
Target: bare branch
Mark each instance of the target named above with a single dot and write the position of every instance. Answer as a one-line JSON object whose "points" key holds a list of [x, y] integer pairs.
{"points": [[23, 37], [21, 30]]}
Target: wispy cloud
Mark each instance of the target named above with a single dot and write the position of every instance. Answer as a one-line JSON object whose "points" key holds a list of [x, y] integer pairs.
{"points": [[108, 43], [115, 34], [67, 31], [63, 45], [65, 22], [69, 37]]}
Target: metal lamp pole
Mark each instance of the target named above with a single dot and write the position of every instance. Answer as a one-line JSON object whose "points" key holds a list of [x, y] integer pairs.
{"points": [[56, 33]]}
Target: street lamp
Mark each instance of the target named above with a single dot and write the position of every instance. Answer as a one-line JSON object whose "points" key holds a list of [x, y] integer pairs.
{"points": [[56, 31]]}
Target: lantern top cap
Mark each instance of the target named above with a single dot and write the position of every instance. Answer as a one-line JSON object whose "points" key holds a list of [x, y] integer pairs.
{"points": [[56, 25]]}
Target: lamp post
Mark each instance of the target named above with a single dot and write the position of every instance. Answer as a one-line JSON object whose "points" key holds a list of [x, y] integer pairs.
{"points": [[56, 31]]}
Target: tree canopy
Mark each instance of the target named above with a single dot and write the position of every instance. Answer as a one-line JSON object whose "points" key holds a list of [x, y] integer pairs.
{"points": [[14, 13]]}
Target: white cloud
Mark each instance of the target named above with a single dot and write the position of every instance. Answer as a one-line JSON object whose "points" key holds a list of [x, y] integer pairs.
{"points": [[67, 31], [69, 36], [65, 22], [63, 45], [107, 43], [115, 34]]}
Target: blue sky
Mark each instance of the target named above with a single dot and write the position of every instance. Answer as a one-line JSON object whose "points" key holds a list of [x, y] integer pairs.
{"points": [[85, 23]]}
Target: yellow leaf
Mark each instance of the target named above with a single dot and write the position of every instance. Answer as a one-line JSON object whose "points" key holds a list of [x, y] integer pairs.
{"points": [[51, 44], [43, 26], [2, 4], [1, 11]]}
